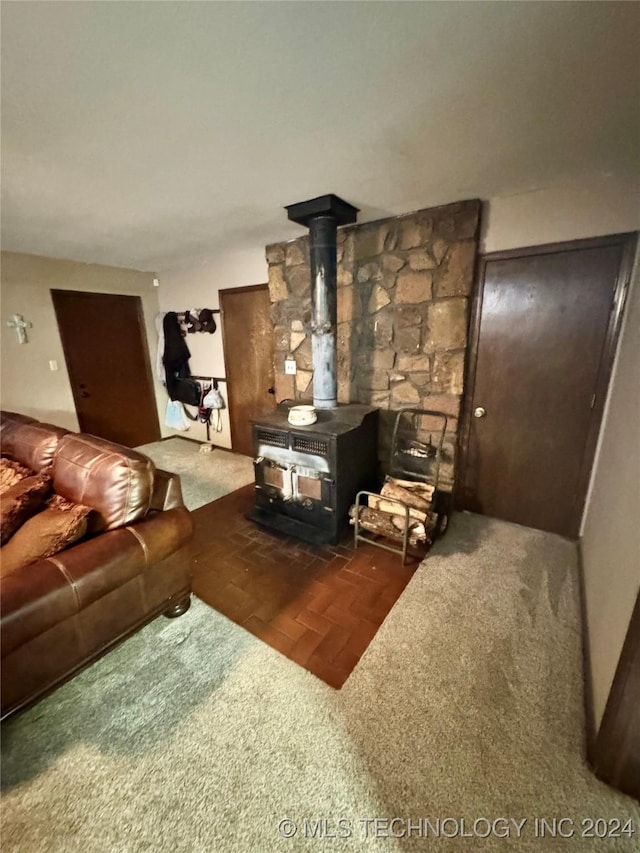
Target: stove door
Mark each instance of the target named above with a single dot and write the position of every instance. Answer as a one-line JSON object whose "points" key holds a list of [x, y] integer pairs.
{"points": [[298, 492]]}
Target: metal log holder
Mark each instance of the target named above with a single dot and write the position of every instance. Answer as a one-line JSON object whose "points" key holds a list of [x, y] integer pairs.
{"points": [[416, 458]]}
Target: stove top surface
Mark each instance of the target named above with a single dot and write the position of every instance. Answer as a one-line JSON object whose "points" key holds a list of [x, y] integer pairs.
{"points": [[344, 418]]}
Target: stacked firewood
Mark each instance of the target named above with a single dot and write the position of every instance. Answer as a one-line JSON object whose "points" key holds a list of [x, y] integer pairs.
{"points": [[387, 516]]}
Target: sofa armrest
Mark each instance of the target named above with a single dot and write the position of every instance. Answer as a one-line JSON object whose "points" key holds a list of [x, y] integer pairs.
{"points": [[167, 491], [38, 596]]}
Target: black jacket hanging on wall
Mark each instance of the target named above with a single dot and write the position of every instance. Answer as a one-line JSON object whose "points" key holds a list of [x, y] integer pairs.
{"points": [[176, 363]]}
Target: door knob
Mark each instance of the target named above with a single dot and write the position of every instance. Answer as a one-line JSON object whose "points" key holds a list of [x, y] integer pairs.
{"points": [[479, 412], [84, 394], [271, 391]]}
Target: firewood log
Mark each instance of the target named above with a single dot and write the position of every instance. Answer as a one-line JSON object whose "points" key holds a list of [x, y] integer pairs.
{"points": [[395, 509], [412, 499], [424, 490], [417, 531], [388, 525]]}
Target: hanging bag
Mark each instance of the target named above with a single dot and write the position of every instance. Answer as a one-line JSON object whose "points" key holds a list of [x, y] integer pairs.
{"points": [[187, 391], [174, 417], [214, 400]]}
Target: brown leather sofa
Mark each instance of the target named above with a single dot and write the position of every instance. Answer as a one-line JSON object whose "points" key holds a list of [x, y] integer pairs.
{"points": [[61, 613]]}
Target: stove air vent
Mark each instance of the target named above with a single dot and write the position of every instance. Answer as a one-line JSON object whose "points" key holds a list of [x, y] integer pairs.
{"points": [[311, 445], [275, 439]]}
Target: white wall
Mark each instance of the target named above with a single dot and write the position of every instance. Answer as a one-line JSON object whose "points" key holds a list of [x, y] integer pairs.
{"points": [[198, 287], [28, 385], [611, 524], [595, 207]]}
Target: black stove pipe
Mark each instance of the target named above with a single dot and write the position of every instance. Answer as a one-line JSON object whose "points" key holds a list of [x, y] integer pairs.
{"points": [[322, 216]]}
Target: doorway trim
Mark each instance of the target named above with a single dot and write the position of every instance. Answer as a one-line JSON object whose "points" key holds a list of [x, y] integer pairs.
{"points": [[627, 241]]}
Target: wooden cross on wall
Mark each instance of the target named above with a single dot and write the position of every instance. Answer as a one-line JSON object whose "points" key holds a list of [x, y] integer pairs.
{"points": [[18, 323]]}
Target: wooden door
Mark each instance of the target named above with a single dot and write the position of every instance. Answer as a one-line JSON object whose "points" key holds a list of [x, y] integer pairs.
{"points": [[107, 357], [543, 335], [248, 353], [616, 753]]}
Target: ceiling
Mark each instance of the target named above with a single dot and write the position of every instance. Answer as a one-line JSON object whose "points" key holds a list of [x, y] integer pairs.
{"points": [[153, 135]]}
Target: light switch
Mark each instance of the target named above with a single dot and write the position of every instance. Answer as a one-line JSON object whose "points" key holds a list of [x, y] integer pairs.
{"points": [[53, 364], [290, 366]]}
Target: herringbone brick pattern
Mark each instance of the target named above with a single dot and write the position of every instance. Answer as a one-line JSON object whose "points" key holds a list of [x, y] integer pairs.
{"points": [[318, 605]]}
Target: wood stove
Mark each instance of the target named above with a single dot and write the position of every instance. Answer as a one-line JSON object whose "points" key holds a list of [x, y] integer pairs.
{"points": [[308, 476]]}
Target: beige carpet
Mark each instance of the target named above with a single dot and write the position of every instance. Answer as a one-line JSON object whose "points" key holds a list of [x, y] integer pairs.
{"points": [[194, 736]]}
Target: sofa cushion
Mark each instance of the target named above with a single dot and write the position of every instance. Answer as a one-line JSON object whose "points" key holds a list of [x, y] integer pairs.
{"points": [[32, 444], [47, 533], [114, 481], [20, 502], [11, 472]]}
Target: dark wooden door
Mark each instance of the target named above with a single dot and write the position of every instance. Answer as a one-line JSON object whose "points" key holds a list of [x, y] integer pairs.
{"points": [[616, 753], [545, 326], [248, 354], [107, 357]]}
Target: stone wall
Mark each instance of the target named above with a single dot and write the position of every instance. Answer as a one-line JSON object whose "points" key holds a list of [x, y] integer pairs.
{"points": [[403, 303]]}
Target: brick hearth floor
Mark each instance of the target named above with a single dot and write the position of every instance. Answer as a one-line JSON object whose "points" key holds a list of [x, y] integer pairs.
{"points": [[320, 606]]}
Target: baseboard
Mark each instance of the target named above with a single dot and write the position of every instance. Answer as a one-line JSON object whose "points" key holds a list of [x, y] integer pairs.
{"points": [[199, 441], [587, 672]]}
